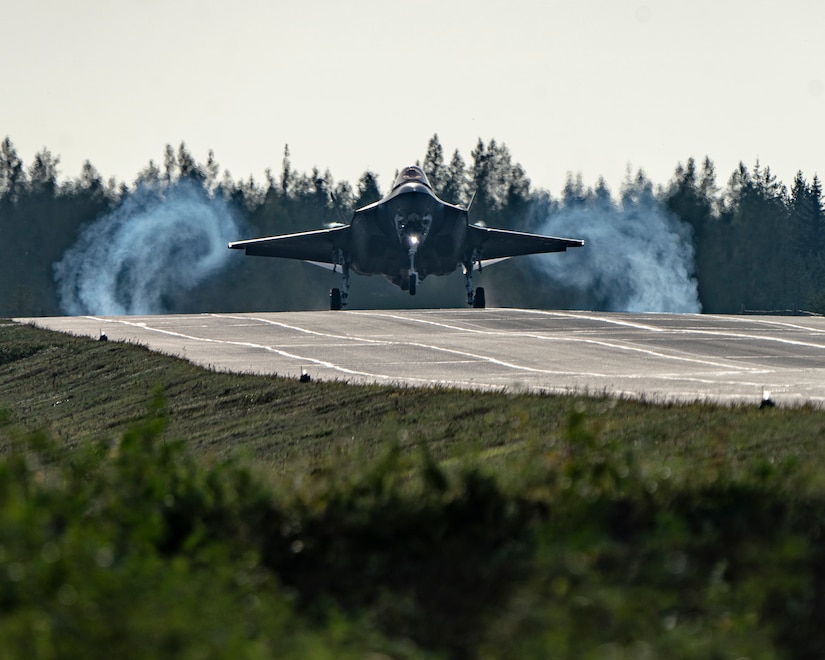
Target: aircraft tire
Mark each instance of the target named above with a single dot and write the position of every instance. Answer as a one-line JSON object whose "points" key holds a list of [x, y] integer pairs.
{"points": [[335, 299], [479, 299], [413, 283]]}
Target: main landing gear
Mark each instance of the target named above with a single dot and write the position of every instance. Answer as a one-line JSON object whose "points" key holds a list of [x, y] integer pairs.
{"points": [[475, 298], [335, 303], [338, 298]]}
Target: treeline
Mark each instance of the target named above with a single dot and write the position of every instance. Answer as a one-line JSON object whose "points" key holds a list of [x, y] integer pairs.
{"points": [[757, 244]]}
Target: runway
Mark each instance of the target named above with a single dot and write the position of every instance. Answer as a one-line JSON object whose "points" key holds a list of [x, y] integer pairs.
{"points": [[658, 357]]}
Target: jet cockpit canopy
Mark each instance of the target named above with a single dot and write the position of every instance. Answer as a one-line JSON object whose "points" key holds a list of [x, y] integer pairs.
{"points": [[411, 174]]}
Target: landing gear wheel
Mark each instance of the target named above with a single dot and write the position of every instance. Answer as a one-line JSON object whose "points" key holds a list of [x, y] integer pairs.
{"points": [[335, 299], [479, 300], [413, 283]]}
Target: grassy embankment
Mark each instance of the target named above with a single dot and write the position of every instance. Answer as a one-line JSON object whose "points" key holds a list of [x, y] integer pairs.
{"points": [[152, 508]]}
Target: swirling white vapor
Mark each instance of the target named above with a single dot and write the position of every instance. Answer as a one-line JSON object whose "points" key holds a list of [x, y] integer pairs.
{"points": [[147, 254]]}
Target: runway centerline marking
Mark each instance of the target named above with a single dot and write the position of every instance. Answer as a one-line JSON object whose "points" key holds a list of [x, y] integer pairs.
{"points": [[331, 365], [474, 357], [596, 342], [695, 331]]}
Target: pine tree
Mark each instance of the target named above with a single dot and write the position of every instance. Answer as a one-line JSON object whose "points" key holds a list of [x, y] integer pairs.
{"points": [[805, 217], [170, 164], [287, 175], [434, 165], [43, 173], [90, 183], [149, 175], [818, 206], [211, 171], [806, 261], [456, 183], [517, 200], [481, 179], [368, 191], [757, 216], [502, 189], [574, 193], [12, 174], [708, 189], [188, 167], [693, 198]]}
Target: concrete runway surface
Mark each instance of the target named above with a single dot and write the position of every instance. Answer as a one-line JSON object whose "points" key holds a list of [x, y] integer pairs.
{"points": [[658, 357]]}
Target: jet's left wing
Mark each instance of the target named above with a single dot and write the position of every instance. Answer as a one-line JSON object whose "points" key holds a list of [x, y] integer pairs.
{"points": [[496, 244], [320, 245]]}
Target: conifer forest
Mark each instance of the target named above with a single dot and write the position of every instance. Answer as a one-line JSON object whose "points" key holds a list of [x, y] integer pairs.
{"points": [[707, 241]]}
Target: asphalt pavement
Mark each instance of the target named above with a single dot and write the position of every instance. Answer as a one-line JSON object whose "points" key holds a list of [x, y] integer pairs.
{"points": [[658, 357]]}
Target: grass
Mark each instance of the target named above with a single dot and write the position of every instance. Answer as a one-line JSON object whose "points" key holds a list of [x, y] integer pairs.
{"points": [[152, 507]]}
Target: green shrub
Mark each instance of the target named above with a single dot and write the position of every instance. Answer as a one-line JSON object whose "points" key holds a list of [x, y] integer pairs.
{"points": [[134, 550]]}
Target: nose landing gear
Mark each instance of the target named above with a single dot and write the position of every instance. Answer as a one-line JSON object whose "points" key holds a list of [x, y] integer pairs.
{"points": [[413, 274]]}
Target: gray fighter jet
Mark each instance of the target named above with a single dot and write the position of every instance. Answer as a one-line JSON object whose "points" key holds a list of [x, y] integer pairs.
{"points": [[406, 236]]}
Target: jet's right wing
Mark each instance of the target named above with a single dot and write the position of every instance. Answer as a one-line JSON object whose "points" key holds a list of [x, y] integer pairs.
{"points": [[320, 245], [496, 244]]}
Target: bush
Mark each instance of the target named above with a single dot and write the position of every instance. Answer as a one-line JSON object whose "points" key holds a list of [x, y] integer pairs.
{"points": [[135, 548]]}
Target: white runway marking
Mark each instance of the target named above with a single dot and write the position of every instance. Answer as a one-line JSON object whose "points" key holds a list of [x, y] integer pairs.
{"points": [[658, 356]]}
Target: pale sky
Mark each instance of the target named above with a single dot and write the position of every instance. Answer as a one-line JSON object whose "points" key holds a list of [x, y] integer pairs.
{"points": [[582, 86]]}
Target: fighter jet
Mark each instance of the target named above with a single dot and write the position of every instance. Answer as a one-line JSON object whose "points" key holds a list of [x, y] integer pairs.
{"points": [[406, 236]]}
